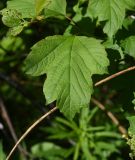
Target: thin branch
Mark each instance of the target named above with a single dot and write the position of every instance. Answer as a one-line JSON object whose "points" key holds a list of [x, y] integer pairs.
{"points": [[111, 116], [71, 20], [6, 117], [76, 25], [115, 75], [30, 129]]}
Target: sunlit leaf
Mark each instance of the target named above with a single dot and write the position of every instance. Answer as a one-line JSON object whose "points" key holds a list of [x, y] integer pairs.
{"points": [[55, 8], [129, 46], [69, 62]]}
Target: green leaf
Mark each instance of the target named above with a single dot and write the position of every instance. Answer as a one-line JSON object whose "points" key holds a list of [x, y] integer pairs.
{"points": [[107, 134], [32, 8], [40, 4], [25, 7], [131, 120], [55, 8], [18, 29], [2, 154], [49, 151], [134, 99], [129, 45], [130, 4], [109, 44], [108, 147], [128, 22], [131, 130], [111, 11], [76, 152], [132, 124], [131, 143], [85, 148], [69, 62], [11, 18], [15, 30]]}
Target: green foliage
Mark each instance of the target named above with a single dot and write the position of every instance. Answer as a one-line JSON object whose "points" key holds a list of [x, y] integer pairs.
{"points": [[134, 100], [128, 45], [111, 11], [25, 7], [131, 130], [131, 143], [84, 138], [39, 6], [50, 151], [12, 18], [75, 44], [55, 8], [132, 121], [130, 4], [32, 8], [68, 74], [2, 154], [15, 30]]}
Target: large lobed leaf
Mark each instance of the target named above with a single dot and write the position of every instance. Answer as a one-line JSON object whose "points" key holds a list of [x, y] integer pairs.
{"points": [[69, 62], [111, 11]]}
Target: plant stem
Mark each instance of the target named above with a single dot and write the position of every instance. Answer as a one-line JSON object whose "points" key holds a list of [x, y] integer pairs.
{"points": [[115, 75], [30, 129], [111, 116], [6, 117]]}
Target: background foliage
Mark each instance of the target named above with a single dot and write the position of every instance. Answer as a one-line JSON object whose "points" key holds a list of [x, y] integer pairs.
{"points": [[69, 45]]}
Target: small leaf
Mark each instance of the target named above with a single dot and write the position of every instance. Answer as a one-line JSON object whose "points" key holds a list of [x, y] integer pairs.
{"points": [[132, 124], [129, 45], [109, 44], [49, 151], [131, 143], [69, 62], [134, 99], [11, 18], [85, 148], [2, 154], [40, 4], [55, 8], [131, 130], [111, 11], [15, 30], [128, 22]]}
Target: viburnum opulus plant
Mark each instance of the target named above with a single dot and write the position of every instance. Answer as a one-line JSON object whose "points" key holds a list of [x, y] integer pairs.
{"points": [[91, 40]]}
